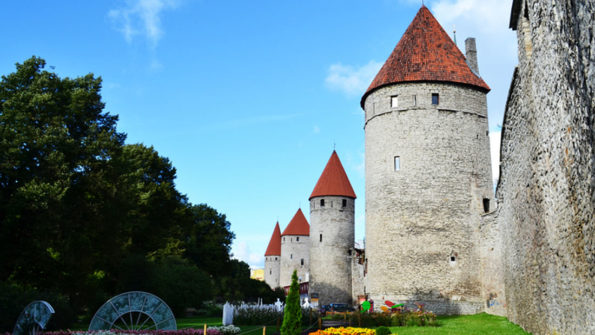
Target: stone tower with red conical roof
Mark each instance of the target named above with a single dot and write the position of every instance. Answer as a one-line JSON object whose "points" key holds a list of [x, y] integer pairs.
{"points": [[295, 241], [428, 177], [332, 231], [272, 259]]}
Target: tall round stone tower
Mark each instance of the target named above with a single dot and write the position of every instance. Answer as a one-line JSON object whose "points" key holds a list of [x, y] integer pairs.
{"points": [[295, 241], [272, 259], [332, 232], [428, 176]]}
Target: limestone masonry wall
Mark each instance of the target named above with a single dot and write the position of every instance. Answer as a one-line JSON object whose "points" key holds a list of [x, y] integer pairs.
{"points": [[272, 268], [294, 256], [422, 221], [332, 235], [547, 181]]}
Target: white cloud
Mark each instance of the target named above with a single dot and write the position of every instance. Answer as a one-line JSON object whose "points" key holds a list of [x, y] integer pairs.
{"points": [[241, 250], [495, 154], [141, 17], [351, 80]]}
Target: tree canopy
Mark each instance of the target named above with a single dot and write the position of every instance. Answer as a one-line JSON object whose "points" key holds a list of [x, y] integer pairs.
{"points": [[83, 215]]}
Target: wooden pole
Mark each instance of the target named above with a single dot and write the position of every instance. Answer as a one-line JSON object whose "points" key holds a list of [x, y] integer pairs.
{"points": [[264, 330], [319, 323], [205, 330]]}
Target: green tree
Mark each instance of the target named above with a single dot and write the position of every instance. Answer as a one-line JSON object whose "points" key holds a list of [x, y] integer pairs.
{"points": [[208, 241], [56, 144], [292, 316]]}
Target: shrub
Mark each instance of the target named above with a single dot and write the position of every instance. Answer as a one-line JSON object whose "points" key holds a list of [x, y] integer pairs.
{"points": [[292, 315], [226, 330], [397, 318], [250, 315], [180, 284], [383, 331]]}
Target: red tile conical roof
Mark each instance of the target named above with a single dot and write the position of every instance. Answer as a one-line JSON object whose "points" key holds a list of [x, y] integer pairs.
{"points": [[274, 248], [425, 53], [298, 225], [333, 180]]}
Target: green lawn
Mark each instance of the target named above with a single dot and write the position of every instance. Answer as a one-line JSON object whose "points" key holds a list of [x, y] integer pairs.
{"points": [[483, 323], [198, 322]]}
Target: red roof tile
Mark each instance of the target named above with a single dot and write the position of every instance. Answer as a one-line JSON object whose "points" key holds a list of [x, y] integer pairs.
{"points": [[298, 225], [333, 180], [274, 248], [425, 53]]}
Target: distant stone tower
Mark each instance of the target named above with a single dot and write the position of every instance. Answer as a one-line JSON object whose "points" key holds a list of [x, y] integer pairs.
{"points": [[294, 249], [332, 235], [428, 176], [272, 259]]}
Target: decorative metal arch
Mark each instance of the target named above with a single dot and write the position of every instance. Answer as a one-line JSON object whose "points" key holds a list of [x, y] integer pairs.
{"points": [[134, 310], [33, 318]]}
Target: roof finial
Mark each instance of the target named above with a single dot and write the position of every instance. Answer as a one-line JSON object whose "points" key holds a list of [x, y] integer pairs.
{"points": [[334, 146], [454, 32]]}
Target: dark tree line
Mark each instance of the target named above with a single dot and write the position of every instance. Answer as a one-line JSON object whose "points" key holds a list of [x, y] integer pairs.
{"points": [[84, 216]]}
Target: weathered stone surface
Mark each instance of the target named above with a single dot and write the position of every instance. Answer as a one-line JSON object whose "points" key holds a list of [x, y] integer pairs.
{"points": [[295, 255], [422, 221], [332, 231], [272, 270], [547, 180]]}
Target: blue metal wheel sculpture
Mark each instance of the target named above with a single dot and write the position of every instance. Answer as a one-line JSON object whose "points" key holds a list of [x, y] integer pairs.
{"points": [[33, 318], [135, 310]]}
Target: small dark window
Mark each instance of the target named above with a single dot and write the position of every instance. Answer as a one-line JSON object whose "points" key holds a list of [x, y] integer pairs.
{"points": [[284, 239], [320, 237], [486, 205], [452, 258], [297, 239], [414, 100], [349, 252], [290, 256], [435, 98], [270, 272], [344, 203], [275, 258], [321, 202], [302, 262]]}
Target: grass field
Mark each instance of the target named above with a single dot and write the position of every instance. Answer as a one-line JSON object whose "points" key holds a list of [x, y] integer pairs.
{"points": [[483, 323]]}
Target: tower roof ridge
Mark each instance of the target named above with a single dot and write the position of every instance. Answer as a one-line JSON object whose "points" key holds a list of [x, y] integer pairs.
{"points": [[333, 180], [298, 225], [274, 248], [425, 52]]}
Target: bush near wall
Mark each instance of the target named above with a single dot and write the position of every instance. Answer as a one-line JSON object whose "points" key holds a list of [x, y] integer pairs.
{"points": [[399, 318]]}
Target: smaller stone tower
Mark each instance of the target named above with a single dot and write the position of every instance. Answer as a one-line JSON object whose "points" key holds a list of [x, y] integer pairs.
{"points": [[332, 235], [295, 241], [272, 259]]}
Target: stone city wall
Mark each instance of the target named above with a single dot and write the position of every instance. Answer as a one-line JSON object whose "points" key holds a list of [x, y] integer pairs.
{"points": [[547, 180]]}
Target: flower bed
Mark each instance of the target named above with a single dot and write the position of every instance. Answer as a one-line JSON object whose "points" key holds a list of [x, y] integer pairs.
{"points": [[345, 331], [187, 331]]}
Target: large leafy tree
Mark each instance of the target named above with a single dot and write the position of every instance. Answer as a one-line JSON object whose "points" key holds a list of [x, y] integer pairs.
{"points": [[56, 144], [208, 241]]}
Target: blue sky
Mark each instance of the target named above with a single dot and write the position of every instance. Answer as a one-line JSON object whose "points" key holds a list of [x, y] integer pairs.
{"points": [[247, 98]]}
